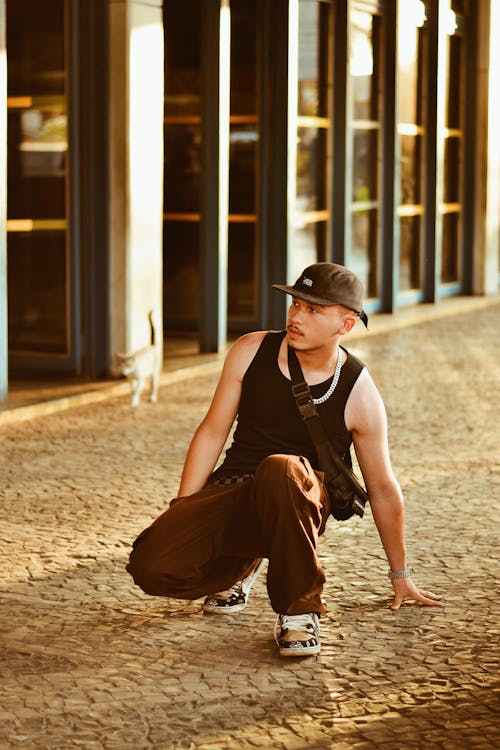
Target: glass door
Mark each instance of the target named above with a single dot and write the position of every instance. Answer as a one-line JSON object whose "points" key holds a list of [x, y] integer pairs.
{"points": [[183, 168], [244, 121], [310, 216], [365, 106], [453, 138], [182, 171], [42, 311], [411, 133]]}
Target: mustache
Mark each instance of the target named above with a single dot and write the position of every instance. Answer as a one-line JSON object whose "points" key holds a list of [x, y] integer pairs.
{"points": [[295, 329]]}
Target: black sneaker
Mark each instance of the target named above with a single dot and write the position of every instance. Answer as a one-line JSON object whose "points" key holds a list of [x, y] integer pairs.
{"points": [[234, 599], [306, 641]]}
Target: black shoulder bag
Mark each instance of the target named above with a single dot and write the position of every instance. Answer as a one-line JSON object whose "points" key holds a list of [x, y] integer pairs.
{"points": [[347, 496]]}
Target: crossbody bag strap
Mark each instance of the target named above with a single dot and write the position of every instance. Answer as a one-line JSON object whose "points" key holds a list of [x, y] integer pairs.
{"points": [[305, 404], [329, 460]]}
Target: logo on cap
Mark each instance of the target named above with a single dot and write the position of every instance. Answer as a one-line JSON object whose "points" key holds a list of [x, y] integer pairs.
{"points": [[307, 282]]}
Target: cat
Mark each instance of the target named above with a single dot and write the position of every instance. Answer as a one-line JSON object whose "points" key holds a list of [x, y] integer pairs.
{"points": [[141, 366]]}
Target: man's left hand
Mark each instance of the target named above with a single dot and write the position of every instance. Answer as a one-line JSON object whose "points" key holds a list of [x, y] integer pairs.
{"points": [[405, 589]]}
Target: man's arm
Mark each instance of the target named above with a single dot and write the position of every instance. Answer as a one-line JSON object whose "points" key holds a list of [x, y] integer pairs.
{"points": [[211, 435], [366, 417]]}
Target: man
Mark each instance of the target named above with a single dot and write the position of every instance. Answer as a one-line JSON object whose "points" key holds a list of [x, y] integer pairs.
{"points": [[267, 499]]}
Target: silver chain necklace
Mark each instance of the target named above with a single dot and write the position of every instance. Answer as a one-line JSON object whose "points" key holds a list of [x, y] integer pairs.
{"points": [[333, 384]]}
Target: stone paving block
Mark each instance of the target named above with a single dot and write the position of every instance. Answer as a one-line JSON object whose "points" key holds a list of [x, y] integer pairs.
{"points": [[89, 661]]}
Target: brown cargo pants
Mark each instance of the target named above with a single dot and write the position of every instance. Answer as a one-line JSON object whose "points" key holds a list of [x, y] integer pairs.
{"points": [[208, 541]]}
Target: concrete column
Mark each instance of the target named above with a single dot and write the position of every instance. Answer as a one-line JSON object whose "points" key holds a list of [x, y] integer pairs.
{"points": [[3, 207], [136, 170]]}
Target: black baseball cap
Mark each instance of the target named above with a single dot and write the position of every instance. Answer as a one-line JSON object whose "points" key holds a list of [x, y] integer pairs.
{"points": [[329, 284]]}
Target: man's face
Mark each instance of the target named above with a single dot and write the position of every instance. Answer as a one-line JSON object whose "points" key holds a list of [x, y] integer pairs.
{"points": [[311, 326]]}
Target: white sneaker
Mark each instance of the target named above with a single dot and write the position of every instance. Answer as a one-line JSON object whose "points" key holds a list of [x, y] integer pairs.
{"points": [[305, 639], [235, 598]]}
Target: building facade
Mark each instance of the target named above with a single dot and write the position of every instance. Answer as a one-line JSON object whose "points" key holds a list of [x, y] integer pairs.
{"points": [[181, 156]]}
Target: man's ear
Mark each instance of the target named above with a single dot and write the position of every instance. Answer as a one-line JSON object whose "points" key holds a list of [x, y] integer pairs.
{"points": [[348, 323]]}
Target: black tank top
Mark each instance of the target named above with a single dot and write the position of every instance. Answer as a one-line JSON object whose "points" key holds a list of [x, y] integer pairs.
{"points": [[268, 420]]}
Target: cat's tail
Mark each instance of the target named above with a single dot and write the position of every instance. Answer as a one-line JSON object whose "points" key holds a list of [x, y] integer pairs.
{"points": [[152, 327]]}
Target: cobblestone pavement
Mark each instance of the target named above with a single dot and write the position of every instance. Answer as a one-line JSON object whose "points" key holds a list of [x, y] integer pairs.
{"points": [[88, 661]]}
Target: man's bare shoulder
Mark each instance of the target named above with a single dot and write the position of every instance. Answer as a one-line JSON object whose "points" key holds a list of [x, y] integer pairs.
{"points": [[243, 351], [248, 344], [364, 406]]}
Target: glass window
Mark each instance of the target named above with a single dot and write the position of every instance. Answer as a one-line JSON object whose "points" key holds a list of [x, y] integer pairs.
{"points": [[311, 99], [37, 271], [411, 131], [182, 167], [306, 238], [37, 240], [310, 212], [242, 271], [411, 159], [364, 241], [182, 173], [182, 281], [409, 243], [311, 143], [182, 141], [243, 168], [453, 170], [182, 22], [449, 260], [244, 42], [183, 44], [363, 65], [37, 161], [364, 62], [243, 153], [365, 166], [408, 78], [410, 37], [455, 70]]}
